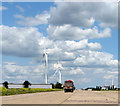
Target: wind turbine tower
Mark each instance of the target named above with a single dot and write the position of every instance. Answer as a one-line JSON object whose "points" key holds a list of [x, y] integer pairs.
{"points": [[59, 70], [112, 81], [45, 55], [59, 75]]}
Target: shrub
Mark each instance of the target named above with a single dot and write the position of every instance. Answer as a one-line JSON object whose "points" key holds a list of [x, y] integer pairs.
{"points": [[22, 90], [3, 91], [11, 91], [32, 90]]}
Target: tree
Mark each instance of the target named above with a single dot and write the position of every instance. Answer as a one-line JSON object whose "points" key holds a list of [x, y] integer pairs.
{"points": [[26, 84], [53, 86], [58, 85], [98, 88], [5, 84]]}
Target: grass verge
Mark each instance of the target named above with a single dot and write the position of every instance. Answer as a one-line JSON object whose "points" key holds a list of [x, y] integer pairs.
{"points": [[15, 91]]}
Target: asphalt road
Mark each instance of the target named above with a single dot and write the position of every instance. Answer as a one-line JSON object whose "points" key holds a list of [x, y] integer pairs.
{"points": [[59, 97]]}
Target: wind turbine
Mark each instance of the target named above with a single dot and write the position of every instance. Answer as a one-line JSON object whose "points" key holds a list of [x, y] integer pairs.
{"points": [[58, 71], [45, 55]]}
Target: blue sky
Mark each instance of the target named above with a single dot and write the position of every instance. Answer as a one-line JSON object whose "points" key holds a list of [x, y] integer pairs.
{"points": [[83, 38]]}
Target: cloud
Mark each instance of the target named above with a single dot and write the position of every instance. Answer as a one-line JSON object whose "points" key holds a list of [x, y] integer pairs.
{"points": [[84, 14], [82, 76], [58, 15], [76, 71], [112, 72], [20, 8], [9, 63], [17, 73], [3, 8], [93, 59], [33, 21], [94, 46], [108, 76], [29, 42], [85, 80], [23, 42], [68, 32], [66, 50], [73, 45]]}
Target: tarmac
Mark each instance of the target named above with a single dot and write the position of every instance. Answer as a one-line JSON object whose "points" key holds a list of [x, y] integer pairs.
{"points": [[59, 97]]}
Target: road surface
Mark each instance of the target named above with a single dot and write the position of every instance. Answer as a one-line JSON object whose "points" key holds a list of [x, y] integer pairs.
{"points": [[59, 97]]}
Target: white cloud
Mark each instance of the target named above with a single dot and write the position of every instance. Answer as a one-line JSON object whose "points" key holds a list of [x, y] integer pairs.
{"points": [[94, 59], [99, 70], [3, 8], [65, 50], [73, 45], [33, 21], [82, 76], [20, 8], [112, 72], [83, 14], [94, 46], [18, 72], [76, 71], [10, 63], [108, 77], [77, 18], [29, 42], [84, 80], [18, 41], [68, 32]]}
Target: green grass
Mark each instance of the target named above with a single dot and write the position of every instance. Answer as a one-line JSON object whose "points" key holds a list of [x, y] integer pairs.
{"points": [[15, 91], [110, 90]]}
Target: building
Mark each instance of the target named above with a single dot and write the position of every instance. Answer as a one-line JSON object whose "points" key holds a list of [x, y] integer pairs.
{"points": [[15, 85], [106, 87]]}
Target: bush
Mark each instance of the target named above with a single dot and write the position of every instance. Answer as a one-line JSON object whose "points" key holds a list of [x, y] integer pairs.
{"points": [[11, 91], [3, 91], [22, 90], [38, 89], [32, 90]]}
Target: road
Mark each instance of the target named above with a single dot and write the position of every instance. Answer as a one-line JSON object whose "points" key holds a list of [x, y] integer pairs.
{"points": [[59, 97]]}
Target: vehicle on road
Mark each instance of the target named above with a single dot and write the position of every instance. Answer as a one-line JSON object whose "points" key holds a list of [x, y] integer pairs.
{"points": [[69, 86]]}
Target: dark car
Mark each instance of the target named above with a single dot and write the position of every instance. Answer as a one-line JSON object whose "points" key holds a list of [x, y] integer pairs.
{"points": [[69, 86]]}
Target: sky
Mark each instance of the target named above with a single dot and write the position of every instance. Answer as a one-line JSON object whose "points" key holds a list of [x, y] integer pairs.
{"points": [[81, 38]]}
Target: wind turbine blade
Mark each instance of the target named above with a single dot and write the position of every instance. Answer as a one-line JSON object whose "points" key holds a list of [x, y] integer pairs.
{"points": [[54, 74]]}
